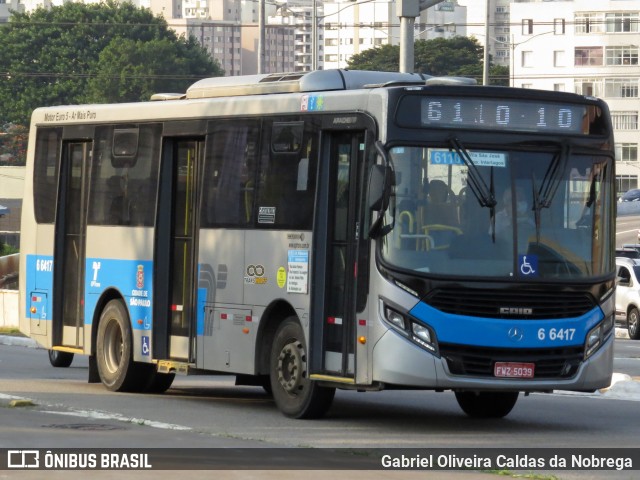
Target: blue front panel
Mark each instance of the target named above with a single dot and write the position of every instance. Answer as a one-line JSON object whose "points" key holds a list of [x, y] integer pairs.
{"points": [[505, 333], [132, 278]]}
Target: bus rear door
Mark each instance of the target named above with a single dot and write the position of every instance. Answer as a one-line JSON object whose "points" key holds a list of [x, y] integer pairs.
{"points": [[69, 248]]}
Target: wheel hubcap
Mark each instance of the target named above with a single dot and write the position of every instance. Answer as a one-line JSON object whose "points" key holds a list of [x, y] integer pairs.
{"points": [[113, 347], [292, 367], [633, 323]]}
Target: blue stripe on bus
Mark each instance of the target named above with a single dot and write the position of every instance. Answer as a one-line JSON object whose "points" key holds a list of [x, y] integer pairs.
{"points": [[505, 333], [132, 278]]}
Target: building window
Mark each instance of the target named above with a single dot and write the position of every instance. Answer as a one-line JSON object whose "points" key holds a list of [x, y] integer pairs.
{"points": [[621, 22], [558, 58], [559, 26], [527, 85], [626, 152], [588, 56], [589, 23], [622, 55], [624, 120], [588, 86], [527, 58], [502, 53], [558, 87], [527, 26], [621, 87], [626, 182]]}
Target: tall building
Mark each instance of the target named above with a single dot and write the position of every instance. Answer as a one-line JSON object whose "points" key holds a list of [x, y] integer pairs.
{"points": [[299, 15], [590, 48], [498, 14], [351, 27]]}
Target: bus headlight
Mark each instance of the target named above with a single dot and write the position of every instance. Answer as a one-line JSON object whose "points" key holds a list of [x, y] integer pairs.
{"points": [[422, 335], [394, 318], [597, 336], [419, 333]]}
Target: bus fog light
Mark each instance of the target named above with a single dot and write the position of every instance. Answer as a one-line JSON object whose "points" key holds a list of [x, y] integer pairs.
{"points": [[593, 341]]}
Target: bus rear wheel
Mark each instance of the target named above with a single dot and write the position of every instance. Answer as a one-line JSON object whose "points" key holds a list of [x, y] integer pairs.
{"points": [[114, 349], [295, 395], [487, 404], [60, 359]]}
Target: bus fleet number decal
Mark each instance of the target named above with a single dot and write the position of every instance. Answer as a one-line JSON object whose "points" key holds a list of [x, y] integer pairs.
{"points": [[556, 333]]}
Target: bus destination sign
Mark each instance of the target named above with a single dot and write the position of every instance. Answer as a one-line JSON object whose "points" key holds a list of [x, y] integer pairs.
{"points": [[512, 114]]}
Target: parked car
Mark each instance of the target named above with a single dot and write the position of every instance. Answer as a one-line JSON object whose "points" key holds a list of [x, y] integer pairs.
{"points": [[628, 295], [632, 195], [627, 253]]}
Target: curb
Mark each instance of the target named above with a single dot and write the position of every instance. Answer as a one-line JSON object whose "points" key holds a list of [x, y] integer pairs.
{"points": [[18, 341]]}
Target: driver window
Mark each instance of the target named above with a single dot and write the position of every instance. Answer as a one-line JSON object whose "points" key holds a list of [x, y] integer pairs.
{"points": [[624, 277]]}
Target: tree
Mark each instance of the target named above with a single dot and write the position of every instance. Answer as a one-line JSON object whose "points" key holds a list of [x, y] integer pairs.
{"points": [[457, 56], [53, 56]]}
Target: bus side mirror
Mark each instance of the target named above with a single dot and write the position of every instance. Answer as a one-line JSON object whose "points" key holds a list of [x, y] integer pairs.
{"points": [[380, 181]]}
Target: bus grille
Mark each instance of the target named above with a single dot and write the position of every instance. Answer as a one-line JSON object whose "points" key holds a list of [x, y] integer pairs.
{"points": [[528, 305], [479, 361]]}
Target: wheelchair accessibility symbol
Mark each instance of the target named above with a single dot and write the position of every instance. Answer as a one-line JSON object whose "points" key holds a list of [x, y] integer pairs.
{"points": [[145, 346], [528, 265]]}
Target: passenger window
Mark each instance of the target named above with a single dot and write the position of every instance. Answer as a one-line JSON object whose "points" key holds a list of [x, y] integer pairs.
{"points": [[125, 175], [45, 175], [229, 173]]}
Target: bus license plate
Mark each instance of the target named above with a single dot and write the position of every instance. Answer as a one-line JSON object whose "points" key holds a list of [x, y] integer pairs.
{"points": [[514, 370]]}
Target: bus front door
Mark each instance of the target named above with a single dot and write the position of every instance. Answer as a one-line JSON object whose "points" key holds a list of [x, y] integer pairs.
{"points": [[69, 248], [337, 223], [175, 262]]}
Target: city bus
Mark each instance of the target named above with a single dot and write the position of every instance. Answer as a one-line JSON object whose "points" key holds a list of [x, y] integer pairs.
{"points": [[327, 230]]}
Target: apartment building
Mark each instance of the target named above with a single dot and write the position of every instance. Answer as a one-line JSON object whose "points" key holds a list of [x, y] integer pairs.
{"points": [[498, 14], [353, 27], [587, 47]]}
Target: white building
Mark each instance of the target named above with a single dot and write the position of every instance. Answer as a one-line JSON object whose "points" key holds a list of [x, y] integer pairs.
{"points": [[353, 27], [499, 26], [587, 47], [299, 15]]}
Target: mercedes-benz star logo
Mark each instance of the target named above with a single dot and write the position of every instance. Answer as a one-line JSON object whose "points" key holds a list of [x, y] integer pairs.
{"points": [[515, 334]]}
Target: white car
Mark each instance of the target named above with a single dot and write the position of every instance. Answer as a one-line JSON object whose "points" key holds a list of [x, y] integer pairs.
{"points": [[628, 294]]}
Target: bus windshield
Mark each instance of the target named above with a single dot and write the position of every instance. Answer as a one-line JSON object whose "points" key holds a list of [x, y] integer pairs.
{"points": [[504, 213]]}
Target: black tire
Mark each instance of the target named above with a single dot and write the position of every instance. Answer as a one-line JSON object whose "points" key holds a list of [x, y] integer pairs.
{"points": [[295, 395], [159, 382], [114, 351], [60, 359], [487, 404], [633, 322]]}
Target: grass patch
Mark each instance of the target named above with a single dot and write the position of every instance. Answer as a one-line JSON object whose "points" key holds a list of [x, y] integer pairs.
{"points": [[13, 331]]}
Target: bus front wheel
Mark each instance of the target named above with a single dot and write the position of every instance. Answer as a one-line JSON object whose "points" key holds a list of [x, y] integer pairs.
{"points": [[114, 349], [487, 404], [295, 395], [60, 359]]}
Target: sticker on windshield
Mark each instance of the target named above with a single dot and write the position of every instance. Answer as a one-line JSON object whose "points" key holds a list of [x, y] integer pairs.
{"points": [[480, 159], [528, 265]]}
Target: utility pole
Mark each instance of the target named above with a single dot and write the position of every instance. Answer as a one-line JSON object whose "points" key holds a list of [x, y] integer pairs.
{"points": [[261, 36], [407, 11], [485, 62]]}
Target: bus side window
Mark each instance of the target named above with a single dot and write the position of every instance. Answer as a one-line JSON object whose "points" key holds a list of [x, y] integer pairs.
{"points": [[229, 174]]}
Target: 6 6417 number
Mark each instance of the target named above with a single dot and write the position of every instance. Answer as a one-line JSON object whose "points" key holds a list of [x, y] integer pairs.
{"points": [[554, 334]]}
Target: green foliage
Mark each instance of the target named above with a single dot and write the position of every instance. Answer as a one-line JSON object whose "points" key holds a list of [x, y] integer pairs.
{"points": [[13, 144], [57, 56], [457, 56], [6, 249]]}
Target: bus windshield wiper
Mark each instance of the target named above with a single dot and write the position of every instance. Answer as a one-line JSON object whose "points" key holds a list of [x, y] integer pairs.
{"points": [[543, 196], [485, 194]]}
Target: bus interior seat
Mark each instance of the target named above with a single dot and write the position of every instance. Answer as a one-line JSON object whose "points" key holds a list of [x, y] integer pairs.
{"points": [[440, 215]]}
